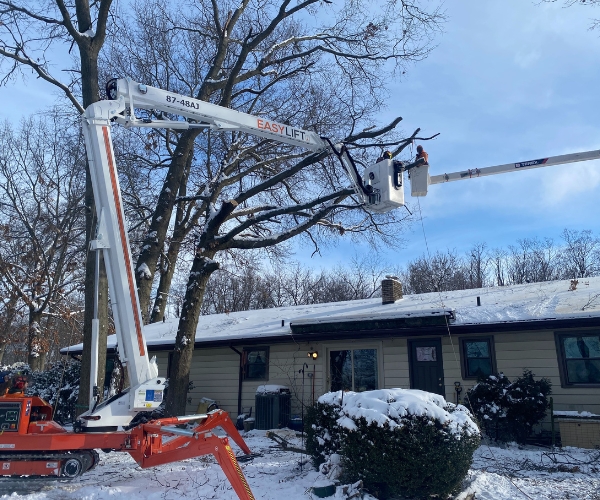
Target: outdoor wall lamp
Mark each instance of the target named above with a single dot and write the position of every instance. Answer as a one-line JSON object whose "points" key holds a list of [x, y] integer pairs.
{"points": [[313, 354]]}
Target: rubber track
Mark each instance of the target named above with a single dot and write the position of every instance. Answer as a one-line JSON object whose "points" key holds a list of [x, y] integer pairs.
{"points": [[85, 457]]}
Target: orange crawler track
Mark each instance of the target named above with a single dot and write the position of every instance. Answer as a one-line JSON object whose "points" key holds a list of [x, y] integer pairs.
{"points": [[32, 444]]}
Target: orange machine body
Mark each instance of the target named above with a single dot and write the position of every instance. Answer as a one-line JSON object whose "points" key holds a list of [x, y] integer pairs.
{"points": [[32, 444]]}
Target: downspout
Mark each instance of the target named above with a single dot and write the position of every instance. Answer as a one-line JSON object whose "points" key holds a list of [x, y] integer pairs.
{"points": [[241, 374]]}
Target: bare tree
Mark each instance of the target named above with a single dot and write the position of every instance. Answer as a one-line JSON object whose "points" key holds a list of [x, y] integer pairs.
{"points": [[11, 314], [581, 254], [32, 35], [443, 271], [42, 172], [478, 262], [545, 256], [316, 65], [519, 262]]}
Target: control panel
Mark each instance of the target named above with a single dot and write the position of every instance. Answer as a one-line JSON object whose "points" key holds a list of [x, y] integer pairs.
{"points": [[10, 414]]}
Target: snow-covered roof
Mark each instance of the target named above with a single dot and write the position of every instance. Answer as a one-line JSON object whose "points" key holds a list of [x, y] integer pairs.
{"points": [[552, 300]]}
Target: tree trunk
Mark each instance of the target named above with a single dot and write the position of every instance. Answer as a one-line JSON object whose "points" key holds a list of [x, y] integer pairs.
{"points": [[202, 267], [36, 350], [90, 270], [156, 235], [167, 270], [2, 349], [166, 277]]}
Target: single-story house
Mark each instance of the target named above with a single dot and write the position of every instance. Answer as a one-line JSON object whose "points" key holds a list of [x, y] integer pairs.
{"points": [[439, 342]]}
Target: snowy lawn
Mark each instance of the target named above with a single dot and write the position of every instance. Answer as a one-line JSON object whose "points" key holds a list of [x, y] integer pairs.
{"points": [[497, 473]]}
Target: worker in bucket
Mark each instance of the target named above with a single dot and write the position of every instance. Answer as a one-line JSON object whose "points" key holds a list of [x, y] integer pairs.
{"points": [[386, 156], [421, 154], [19, 383]]}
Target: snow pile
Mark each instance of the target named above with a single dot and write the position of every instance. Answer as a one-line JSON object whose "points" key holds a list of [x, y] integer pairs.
{"points": [[576, 414], [390, 406]]}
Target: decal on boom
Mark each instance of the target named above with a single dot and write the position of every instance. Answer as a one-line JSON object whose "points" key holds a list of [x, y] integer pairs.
{"points": [[531, 163]]}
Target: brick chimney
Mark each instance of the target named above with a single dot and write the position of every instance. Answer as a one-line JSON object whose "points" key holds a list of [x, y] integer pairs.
{"points": [[391, 290]]}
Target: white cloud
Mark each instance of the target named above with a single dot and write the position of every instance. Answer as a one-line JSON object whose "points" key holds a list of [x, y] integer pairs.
{"points": [[570, 182]]}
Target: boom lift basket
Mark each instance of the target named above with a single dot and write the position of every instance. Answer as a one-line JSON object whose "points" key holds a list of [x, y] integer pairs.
{"points": [[419, 180]]}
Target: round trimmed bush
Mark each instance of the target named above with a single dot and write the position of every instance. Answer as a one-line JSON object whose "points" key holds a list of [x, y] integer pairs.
{"points": [[397, 441]]}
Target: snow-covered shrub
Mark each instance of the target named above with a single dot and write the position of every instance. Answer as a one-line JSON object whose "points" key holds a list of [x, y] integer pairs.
{"points": [[508, 411], [397, 441], [322, 432], [58, 385]]}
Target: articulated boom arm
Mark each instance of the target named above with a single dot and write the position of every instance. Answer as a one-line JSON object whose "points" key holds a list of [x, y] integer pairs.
{"points": [[111, 238], [207, 115], [514, 167], [146, 388], [129, 95], [420, 178]]}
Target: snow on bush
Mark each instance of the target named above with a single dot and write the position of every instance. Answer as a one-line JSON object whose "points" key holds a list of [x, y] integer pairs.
{"points": [[397, 441], [508, 411]]}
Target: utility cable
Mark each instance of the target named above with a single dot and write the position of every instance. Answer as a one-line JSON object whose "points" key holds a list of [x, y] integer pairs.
{"points": [[452, 342]]}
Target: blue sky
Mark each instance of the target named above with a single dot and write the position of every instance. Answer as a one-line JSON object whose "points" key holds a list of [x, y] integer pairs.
{"points": [[510, 80]]}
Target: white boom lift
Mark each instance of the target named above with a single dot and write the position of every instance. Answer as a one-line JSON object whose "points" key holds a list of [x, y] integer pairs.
{"points": [[379, 189]]}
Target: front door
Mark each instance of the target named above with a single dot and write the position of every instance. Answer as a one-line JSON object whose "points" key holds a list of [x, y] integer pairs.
{"points": [[426, 365]]}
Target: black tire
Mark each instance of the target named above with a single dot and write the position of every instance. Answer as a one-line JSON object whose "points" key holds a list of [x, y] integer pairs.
{"points": [[72, 468]]}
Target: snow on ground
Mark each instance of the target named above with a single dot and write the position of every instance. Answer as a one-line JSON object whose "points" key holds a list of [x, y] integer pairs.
{"points": [[508, 473]]}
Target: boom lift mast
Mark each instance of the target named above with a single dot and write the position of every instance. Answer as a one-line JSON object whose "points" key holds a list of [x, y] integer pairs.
{"points": [[30, 442]]}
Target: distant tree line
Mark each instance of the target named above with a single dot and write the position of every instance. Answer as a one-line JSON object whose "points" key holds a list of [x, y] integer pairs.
{"points": [[246, 285], [250, 285], [530, 260]]}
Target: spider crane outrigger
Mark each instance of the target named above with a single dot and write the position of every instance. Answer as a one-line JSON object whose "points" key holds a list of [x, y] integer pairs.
{"points": [[31, 443]]}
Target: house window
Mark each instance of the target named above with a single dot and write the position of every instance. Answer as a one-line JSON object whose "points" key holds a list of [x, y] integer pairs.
{"points": [[353, 370], [579, 356], [256, 363], [478, 357]]}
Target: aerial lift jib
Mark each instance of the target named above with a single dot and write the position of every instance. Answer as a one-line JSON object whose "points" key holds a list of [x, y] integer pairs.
{"points": [[30, 442], [379, 188]]}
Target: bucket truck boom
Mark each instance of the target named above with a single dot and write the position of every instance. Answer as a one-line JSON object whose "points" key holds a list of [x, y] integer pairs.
{"points": [[420, 180]]}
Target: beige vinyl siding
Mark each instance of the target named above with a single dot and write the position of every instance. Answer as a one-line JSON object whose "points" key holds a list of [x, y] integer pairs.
{"points": [[215, 375], [537, 352], [516, 352], [395, 364], [162, 360], [452, 372], [215, 371]]}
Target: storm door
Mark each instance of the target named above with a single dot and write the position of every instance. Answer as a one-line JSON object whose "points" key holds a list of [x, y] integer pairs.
{"points": [[426, 365]]}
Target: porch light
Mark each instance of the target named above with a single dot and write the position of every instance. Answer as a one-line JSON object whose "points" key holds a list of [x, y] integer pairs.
{"points": [[313, 354]]}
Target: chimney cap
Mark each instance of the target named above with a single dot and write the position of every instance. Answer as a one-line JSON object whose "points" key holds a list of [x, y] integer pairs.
{"points": [[391, 277]]}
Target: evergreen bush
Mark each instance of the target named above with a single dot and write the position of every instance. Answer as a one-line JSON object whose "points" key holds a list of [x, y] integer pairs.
{"points": [[398, 442], [508, 411], [58, 385], [322, 432]]}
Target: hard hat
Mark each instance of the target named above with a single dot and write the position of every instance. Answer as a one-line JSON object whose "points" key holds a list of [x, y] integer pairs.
{"points": [[387, 155]]}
